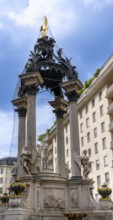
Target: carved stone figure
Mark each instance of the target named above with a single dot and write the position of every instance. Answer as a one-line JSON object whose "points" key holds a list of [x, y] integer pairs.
{"points": [[38, 160], [67, 171], [45, 160], [53, 202], [26, 159], [86, 165], [74, 199]]}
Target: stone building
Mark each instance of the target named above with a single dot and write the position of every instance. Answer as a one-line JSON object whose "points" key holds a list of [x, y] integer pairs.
{"points": [[95, 117], [6, 166]]}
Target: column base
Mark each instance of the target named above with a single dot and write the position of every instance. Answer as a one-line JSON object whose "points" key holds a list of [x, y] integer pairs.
{"points": [[76, 178]]}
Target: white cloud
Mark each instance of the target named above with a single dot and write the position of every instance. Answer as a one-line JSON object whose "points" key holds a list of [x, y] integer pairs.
{"points": [[97, 4], [61, 14], [6, 125]]}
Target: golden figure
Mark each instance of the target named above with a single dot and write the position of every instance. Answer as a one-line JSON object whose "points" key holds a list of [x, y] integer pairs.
{"points": [[44, 27]]}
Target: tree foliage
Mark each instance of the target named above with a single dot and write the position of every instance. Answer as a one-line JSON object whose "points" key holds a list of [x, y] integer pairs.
{"points": [[88, 82]]}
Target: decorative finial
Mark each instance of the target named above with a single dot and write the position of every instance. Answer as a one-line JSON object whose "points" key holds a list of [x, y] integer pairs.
{"points": [[44, 27]]}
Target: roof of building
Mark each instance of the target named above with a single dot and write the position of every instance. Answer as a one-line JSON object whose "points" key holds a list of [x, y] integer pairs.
{"points": [[8, 160]]}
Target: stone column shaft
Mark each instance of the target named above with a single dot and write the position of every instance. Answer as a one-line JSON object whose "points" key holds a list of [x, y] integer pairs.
{"points": [[60, 105], [21, 133], [74, 138], [61, 169], [72, 87], [31, 122]]}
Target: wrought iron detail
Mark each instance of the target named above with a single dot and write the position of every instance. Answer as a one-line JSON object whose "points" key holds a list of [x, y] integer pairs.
{"points": [[51, 64]]}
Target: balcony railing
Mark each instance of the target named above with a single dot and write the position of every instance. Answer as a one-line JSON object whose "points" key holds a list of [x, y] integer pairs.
{"points": [[109, 93]]}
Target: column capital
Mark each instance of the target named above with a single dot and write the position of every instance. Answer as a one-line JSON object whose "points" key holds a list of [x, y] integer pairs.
{"points": [[29, 90], [21, 112], [29, 83], [72, 96], [60, 106], [20, 102], [72, 87], [59, 113]]}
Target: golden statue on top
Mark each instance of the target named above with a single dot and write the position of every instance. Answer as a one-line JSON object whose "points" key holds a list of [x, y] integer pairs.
{"points": [[44, 27]]}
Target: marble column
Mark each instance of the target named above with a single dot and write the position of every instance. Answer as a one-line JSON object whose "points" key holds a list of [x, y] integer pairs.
{"points": [[30, 83], [31, 121], [21, 109], [71, 88], [21, 130], [60, 105]]}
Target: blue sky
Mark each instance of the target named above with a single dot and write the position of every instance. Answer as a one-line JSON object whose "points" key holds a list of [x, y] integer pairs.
{"points": [[83, 28]]}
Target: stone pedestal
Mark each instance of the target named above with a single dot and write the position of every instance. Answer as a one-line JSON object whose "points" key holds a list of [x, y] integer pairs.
{"points": [[71, 88], [60, 105]]}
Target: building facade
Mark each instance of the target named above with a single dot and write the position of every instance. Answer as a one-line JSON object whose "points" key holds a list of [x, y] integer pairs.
{"points": [[95, 118], [6, 166]]}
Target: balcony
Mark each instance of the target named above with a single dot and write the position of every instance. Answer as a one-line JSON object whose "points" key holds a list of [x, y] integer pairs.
{"points": [[111, 145], [109, 93], [110, 109], [111, 126]]}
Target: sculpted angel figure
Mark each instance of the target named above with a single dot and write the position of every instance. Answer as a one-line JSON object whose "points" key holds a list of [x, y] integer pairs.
{"points": [[86, 165], [45, 161], [26, 159]]}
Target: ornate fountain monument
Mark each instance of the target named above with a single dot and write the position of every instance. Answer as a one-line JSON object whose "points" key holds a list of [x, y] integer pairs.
{"points": [[49, 195]]}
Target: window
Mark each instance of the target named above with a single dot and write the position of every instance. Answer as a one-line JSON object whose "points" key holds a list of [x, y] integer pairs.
{"points": [[94, 116], [1, 190], [97, 165], [55, 150], [82, 141], [101, 110], [96, 147], [98, 180], [107, 180], [93, 102], [86, 108], [1, 171], [104, 143], [88, 137], [67, 152], [105, 161], [1, 180], [95, 132], [66, 140], [80, 114], [100, 95], [81, 127], [89, 152], [87, 122], [102, 126]]}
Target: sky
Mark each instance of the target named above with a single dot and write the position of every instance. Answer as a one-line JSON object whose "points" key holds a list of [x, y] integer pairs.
{"points": [[83, 28]]}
